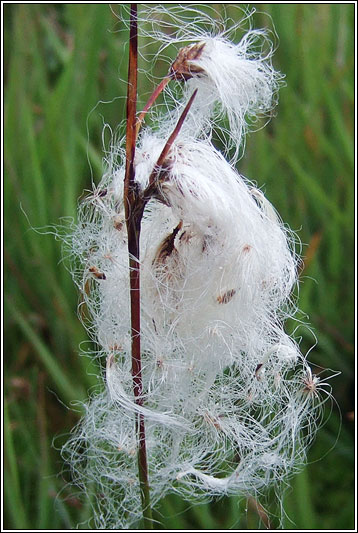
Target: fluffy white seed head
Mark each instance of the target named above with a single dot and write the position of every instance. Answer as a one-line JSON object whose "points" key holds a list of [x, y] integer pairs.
{"points": [[235, 81], [232, 68], [228, 395], [230, 403]]}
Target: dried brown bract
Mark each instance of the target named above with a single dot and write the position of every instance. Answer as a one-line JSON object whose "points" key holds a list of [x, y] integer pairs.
{"points": [[182, 68], [167, 246]]}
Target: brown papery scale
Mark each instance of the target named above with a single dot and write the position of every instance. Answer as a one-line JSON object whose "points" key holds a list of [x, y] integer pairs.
{"points": [[182, 68]]}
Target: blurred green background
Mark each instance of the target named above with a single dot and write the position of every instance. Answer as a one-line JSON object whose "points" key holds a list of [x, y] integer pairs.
{"points": [[60, 61]]}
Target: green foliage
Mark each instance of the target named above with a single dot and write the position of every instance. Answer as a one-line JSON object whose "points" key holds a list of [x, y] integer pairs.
{"points": [[61, 60]]}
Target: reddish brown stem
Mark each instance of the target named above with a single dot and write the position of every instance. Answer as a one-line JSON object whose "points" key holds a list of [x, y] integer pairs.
{"points": [[133, 213], [153, 181], [131, 111], [174, 135], [151, 101]]}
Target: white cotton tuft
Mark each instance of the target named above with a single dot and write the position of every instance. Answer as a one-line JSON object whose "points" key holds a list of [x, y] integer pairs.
{"points": [[230, 260], [229, 399], [232, 70], [235, 81]]}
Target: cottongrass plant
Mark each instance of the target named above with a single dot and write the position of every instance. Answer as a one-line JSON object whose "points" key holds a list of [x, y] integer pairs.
{"points": [[222, 402]]}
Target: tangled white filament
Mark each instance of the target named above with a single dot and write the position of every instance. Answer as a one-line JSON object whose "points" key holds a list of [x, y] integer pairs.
{"points": [[228, 408]]}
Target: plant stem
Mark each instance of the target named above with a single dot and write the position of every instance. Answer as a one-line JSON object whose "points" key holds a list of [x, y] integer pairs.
{"points": [[154, 181], [134, 204], [133, 212], [181, 69], [133, 248], [151, 101]]}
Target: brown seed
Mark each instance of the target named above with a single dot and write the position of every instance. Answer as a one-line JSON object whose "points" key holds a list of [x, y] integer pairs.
{"points": [[101, 193], [226, 297], [258, 372], [97, 274], [115, 348], [118, 223], [310, 384]]}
